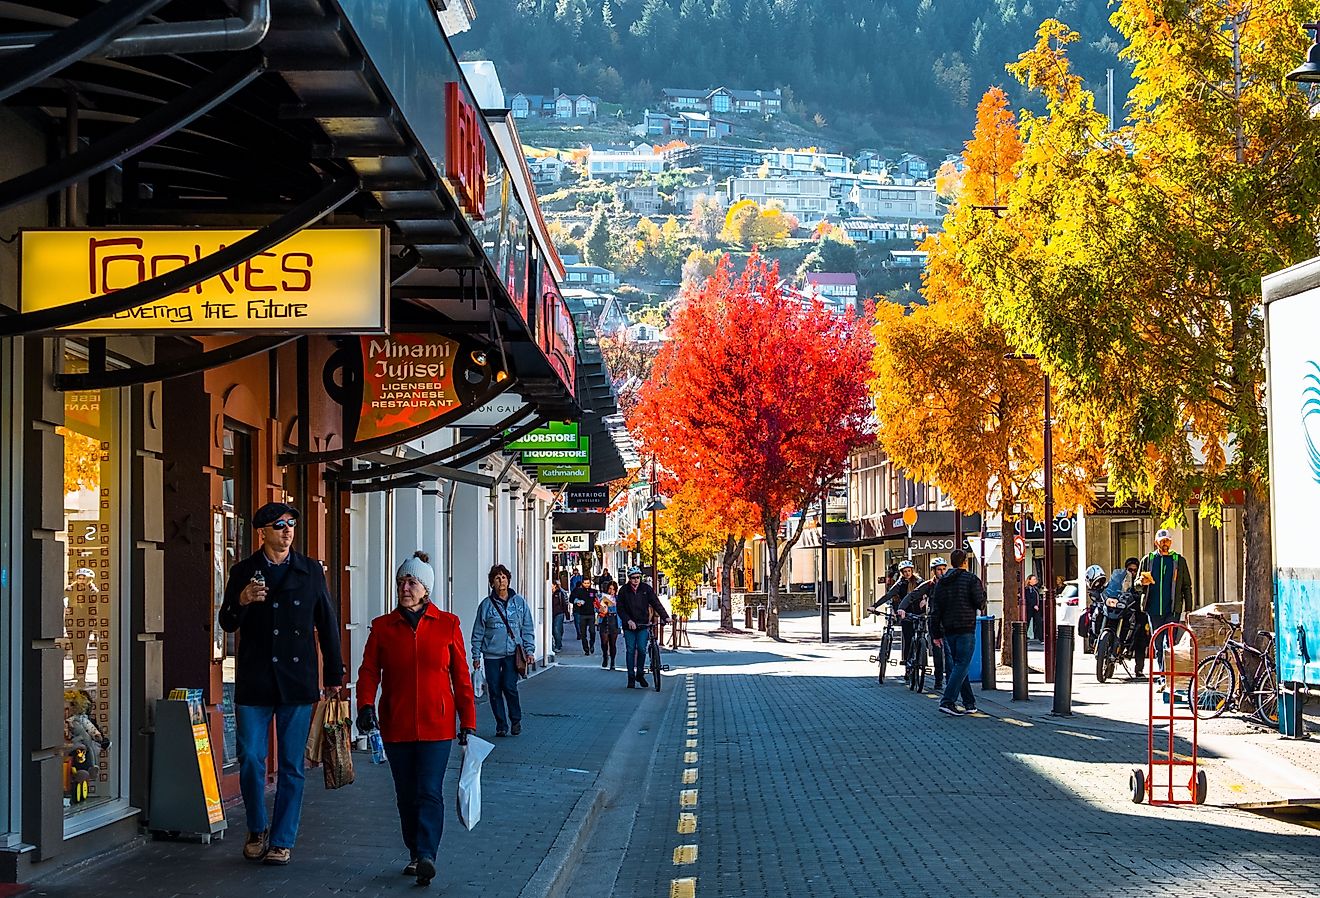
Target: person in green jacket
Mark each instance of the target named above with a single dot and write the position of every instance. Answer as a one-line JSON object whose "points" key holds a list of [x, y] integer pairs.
{"points": [[1166, 583]]}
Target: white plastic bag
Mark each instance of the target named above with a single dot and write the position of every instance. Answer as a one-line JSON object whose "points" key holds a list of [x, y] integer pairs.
{"points": [[478, 683], [469, 781]]}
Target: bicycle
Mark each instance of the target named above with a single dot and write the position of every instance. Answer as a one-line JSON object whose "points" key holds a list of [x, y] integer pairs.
{"points": [[653, 655], [920, 651], [886, 644], [1219, 678]]}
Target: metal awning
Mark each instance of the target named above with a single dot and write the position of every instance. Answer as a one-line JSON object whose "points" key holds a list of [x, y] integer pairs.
{"points": [[339, 109]]}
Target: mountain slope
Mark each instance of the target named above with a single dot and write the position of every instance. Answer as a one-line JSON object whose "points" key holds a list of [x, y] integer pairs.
{"points": [[865, 66]]}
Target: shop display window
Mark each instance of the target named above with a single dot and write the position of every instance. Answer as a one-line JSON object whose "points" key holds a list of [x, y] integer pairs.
{"points": [[92, 594]]}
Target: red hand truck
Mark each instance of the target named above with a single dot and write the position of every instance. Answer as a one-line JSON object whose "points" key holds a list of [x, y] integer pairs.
{"points": [[1180, 778]]}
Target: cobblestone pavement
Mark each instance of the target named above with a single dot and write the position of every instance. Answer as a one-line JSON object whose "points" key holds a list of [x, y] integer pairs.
{"points": [[538, 791], [813, 780]]}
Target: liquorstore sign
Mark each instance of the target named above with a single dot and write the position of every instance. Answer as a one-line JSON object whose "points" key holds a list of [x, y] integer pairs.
{"points": [[325, 281]]}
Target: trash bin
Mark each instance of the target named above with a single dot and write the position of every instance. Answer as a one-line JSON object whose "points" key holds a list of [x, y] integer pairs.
{"points": [[1291, 722], [974, 672]]}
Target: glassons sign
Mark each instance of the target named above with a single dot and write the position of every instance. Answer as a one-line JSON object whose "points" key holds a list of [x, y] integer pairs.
{"points": [[465, 151], [318, 281]]}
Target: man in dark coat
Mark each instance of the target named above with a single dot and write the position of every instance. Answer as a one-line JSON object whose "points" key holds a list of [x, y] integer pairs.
{"points": [[275, 600], [954, 604], [583, 600], [636, 602]]}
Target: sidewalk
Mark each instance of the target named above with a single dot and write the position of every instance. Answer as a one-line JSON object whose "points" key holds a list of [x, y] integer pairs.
{"points": [[539, 791], [1246, 764]]}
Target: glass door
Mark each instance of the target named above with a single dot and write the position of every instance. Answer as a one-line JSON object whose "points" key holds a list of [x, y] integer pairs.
{"points": [[233, 542]]}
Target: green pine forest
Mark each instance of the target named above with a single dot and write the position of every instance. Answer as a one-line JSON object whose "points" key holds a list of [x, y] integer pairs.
{"points": [[866, 71]]}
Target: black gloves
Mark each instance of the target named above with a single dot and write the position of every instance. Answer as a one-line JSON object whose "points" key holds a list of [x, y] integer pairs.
{"points": [[366, 719], [464, 733]]}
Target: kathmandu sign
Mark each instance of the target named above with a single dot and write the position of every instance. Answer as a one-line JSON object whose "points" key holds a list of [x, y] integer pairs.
{"points": [[563, 474], [319, 281]]}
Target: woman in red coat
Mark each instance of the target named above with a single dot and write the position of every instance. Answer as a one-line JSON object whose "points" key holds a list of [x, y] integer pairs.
{"points": [[415, 657]]}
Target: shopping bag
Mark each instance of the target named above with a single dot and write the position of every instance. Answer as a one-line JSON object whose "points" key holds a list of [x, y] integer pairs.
{"points": [[469, 781], [478, 683], [337, 744], [313, 750]]}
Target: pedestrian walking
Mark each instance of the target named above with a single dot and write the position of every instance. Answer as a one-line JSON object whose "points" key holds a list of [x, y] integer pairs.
{"points": [[1034, 609], [414, 656], [583, 599], [503, 625], [956, 600], [277, 602], [636, 601], [559, 608], [608, 622], [605, 579], [574, 580], [1166, 584]]}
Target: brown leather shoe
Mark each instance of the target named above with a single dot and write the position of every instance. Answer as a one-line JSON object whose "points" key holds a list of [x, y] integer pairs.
{"points": [[278, 857], [256, 846]]}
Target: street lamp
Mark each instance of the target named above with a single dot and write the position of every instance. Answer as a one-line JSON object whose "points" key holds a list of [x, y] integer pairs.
{"points": [[1309, 71], [1047, 590], [656, 503]]}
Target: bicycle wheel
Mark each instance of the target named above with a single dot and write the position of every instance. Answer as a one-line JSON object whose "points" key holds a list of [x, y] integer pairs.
{"points": [[1265, 696], [655, 666], [1216, 685], [882, 657], [919, 668]]}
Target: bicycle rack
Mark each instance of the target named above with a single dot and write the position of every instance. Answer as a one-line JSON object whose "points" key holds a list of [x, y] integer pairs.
{"points": [[1171, 788]]}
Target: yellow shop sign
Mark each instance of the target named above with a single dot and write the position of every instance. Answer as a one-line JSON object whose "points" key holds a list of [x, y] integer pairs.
{"points": [[331, 280]]}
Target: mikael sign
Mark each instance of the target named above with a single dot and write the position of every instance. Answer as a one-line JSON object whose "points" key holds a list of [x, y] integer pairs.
{"points": [[465, 151]]}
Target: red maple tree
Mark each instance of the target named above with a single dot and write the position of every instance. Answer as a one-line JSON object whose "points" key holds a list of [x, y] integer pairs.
{"points": [[758, 398]]}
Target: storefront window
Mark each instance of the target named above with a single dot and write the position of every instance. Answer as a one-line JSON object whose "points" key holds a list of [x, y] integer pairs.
{"points": [[92, 584], [233, 543], [1127, 541]]}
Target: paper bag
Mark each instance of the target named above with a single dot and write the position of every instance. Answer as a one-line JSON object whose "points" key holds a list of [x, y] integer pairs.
{"points": [[469, 781], [337, 745], [313, 750]]}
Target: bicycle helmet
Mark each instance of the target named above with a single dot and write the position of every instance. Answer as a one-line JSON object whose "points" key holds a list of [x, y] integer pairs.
{"points": [[1096, 577], [939, 562], [906, 563]]}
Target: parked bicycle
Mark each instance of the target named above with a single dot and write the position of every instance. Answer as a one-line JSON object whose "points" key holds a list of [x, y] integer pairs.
{"points": [[920, 652], [1237, 675], [886, 643], [653, 655]]}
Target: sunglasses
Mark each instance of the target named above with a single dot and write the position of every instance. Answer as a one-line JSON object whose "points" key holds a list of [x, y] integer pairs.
{"points": [[284, 525]]}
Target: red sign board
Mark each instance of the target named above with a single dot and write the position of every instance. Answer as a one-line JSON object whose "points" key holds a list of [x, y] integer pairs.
{"points": [[407, 379], [556, 335], [465, 151]]}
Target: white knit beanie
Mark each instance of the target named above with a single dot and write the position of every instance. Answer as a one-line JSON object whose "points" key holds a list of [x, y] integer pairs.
{"points": [[418, 567]]}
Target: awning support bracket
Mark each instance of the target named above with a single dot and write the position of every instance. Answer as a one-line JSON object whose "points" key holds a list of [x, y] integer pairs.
{"points": [[190, 364]]}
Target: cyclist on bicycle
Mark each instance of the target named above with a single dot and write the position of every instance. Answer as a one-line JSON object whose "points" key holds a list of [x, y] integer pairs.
{"points": [[915, 602], [906, 583], [635, 602]]}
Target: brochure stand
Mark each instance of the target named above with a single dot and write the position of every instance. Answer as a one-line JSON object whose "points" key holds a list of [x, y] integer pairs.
{"points": [[185, 794]]}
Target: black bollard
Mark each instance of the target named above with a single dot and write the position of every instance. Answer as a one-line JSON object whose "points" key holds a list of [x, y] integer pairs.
{"points": [[761, 616], [988, 665], [1020, 693], [1063, 670], [747, 616]]}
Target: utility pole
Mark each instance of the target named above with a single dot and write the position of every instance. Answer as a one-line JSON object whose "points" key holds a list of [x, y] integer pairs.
{"points": [[824, 572], [1047, 591]]}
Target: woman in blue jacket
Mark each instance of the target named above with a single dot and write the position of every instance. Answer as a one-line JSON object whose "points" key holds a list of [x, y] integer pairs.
{"points": [[503, 624]]}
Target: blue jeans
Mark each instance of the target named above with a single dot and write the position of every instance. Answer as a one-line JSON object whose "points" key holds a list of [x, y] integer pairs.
{"points": [[1162, 644], [292, 723], [634, 650], [502, 681], [419, 780], [559, 632], [960, 650]]}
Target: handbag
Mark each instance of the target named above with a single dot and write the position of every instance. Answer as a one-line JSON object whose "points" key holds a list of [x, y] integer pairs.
{"points": [[519, 656], [336, 744]]}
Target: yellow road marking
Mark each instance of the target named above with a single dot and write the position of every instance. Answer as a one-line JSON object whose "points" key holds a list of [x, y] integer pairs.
{"points": [[688, 798], [692, 731], [683, 888], [687, 823], [689, 776], [1016, 722], [689, 757], [685, 854], [691, 743]]}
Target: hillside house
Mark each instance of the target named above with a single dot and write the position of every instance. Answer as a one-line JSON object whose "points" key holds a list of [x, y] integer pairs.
{"points": [[715, 158], [686, 197], [872, 198], [678, 100], [723, 100], [547, 170], [807, 161], [578, 107], [619, 163], [911, 166], [588, 276], [806, 197], [835, 289], [871, 230], [641, 198]]}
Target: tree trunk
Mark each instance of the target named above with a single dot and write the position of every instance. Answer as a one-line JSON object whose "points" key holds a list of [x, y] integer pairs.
{"points": [[1012, 588], [1258, 564], [732, 550], [772, 581]]}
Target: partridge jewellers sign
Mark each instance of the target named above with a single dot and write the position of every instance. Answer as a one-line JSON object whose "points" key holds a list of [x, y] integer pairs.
{"points": [[324, 280]]}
